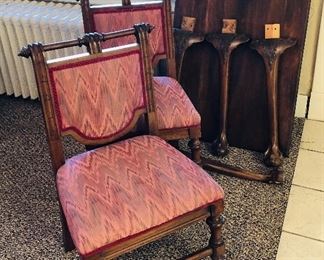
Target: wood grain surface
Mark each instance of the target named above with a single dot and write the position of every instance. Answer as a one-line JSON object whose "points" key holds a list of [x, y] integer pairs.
{"points": [[247, 114]]}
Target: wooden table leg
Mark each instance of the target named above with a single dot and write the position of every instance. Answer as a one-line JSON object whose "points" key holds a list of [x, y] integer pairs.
{"points": [[271, 50], [224, 44], [183, 40]]}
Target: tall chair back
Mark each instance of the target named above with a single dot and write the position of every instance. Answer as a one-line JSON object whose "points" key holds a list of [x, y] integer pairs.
{"points": [[108, 18], [95, 98]]}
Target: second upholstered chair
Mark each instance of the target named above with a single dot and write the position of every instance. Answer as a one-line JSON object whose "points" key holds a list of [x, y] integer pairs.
{"points": [[176, 116], [120, 196]]}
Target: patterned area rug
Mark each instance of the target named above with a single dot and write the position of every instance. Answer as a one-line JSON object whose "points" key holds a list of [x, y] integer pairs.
{"points": [[30, 225]]}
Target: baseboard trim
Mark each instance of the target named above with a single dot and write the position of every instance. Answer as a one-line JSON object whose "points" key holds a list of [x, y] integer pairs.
{"points": [[301, 106], [316, 107]]}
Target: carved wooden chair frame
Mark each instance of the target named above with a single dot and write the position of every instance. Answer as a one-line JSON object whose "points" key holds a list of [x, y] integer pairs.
{"points": [[212, 213]]}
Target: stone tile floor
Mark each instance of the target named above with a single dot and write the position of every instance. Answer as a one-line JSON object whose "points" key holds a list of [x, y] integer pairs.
{"points": [[302, 235]]}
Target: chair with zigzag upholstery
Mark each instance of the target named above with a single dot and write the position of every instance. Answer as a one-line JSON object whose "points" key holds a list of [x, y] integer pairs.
{"points": [[120, 196], [177, 117]]}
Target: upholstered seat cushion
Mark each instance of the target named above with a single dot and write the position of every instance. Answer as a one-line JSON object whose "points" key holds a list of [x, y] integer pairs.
{"points": [[115, 192], [173, 107]]}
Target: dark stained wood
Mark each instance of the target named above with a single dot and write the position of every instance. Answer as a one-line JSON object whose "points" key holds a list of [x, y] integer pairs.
{"points": [[184, 40], [215, 222], [248, 125], [93, 43], [200, 254], [271, 50], [225, 44], [195, 147], [81, 41], [274, 176], [151, 119]]}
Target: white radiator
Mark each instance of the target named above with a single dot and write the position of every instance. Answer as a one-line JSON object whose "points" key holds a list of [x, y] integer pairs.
{"points": [[23, 22]]}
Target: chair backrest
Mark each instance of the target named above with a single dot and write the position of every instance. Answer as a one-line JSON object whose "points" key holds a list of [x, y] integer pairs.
{"points": [[95, 98], [108, 18]]}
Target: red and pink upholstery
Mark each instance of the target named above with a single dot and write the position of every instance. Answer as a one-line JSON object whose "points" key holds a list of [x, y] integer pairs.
{"points": [[119, 191], [112, 19], [122, 190], [112, 85], [173, 107], [120, 196]]}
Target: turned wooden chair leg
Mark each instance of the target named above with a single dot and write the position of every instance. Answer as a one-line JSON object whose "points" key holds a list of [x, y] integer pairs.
{"points": [[195, 147], [215, 223]]}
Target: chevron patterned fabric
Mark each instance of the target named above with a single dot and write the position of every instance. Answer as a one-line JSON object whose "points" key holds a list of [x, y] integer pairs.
{"points": [[115, 192], [114, 19], [98, 98], [173, 107]]}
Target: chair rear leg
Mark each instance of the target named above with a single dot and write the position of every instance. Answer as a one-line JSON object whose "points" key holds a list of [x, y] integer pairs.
{"points": [[215, 223], [194, 145], [67, 239]]}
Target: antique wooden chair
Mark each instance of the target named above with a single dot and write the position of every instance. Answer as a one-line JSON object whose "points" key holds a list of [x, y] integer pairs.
{"points": [[177, 118], [123, 195]]}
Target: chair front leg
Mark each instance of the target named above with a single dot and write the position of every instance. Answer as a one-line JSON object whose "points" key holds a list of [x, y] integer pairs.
{"points": [[215, 223]]}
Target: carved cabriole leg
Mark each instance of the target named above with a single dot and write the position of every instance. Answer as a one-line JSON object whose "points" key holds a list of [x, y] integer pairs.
{"points": [[271, 50], [183, 40], [215, 223], [273, 155], [126, 2], [220, 145], [277, 175], [224, 44]]}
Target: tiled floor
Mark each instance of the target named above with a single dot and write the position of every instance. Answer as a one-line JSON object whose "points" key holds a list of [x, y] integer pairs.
{"points": [[303, 230]]}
